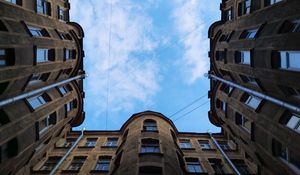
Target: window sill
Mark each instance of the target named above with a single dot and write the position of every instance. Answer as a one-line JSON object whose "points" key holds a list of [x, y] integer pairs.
{"points": [[89, 147], [151, 153], [109, 147], [99, 171]]}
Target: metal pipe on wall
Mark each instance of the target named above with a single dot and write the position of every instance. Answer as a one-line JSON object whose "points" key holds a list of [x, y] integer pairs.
{"points": [[39, 90]]}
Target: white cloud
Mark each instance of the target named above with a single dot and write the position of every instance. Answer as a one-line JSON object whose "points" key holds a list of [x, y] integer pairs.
{"points": [[132, 79], [191, 29]]}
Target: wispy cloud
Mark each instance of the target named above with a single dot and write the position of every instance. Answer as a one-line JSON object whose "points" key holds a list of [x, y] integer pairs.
{"points": [[189, 23], [131, 78]]}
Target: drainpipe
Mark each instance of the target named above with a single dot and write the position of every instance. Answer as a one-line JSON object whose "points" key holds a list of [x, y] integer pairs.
{"points": [[39, 90], [225, 155], [66, 155], [257, 94]]}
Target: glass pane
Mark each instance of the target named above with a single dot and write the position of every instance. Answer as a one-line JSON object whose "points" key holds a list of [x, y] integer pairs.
{"points": [[293, 122], [34, 102], [283, 60], [294, 60], [2, 52], [245, 57], [41, 55]]}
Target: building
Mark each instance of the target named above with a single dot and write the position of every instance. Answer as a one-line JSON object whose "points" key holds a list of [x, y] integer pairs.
{"points": [[147, 143], [255, 72], [41, 67]]}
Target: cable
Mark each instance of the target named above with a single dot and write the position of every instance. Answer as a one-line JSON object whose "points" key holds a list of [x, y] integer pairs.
{"points": [[188, 105], [191, 110], [108, 69]]}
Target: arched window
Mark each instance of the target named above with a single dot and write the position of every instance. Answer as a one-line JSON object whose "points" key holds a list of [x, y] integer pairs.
{"points": [[150, 125], [150, 146]]}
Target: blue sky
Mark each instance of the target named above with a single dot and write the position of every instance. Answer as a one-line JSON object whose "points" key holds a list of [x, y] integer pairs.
{"points": [[145, 55]]}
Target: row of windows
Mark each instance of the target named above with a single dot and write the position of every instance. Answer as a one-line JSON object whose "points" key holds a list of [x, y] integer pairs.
{"points": [[44, 7], [204, 145], [35, 31], [290, 120], [244, 8], [90, 142]]}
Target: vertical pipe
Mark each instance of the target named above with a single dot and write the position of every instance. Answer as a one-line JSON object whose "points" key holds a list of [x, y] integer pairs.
{"points": [[225, 155], [53, 171]]}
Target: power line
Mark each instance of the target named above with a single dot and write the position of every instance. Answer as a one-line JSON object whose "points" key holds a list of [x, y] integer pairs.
{"points": [[187, 105], [108, 69], [191, 110]]}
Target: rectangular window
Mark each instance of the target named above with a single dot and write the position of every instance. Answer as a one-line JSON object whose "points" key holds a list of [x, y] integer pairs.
{"points": [[289, 60], [39, 100], [69, 54], [290, 27], [43, 7], [243, 122], [185, 144], [241, 166], [271, 2], [252, 101], [228, 14], [38, 32], [193, 165], [76, 163], [221, 55], [50, 163], [17, 2], [103, 163], [63, 90], [217, 165], [249, 34], [226, 88], [244, 7], [111, 142], [224, 145], [293, 122], [204, 144], [249, 80], [69, 142], [71, 105], [47, 122], [150, 146], [38, 78], [61, 13], [7, 57], [290, 92], [90, 142], [243, 57], [44, 55]]}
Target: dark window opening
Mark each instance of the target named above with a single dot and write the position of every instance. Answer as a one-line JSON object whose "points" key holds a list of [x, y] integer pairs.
{"points": [[244, 7], [43, 7], [150, 125], [221, 55], [47, 122], [217, 165], [228, 15], [290, 27], [150, 170], [4, 119], [76, 163], [150, 146], [3, 27], [7, 57], [241, 166], [3, 87], [50, 163], [249, 34], [9, 149], [243, 122]]}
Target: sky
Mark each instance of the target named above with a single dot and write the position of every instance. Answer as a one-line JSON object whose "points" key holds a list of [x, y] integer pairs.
{"points": [[146, 55]]}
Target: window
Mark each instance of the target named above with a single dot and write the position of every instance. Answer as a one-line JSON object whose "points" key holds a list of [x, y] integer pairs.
{"points": [[150, 146], [38, 32], [111, 142], [217, 165], [204, 144], [286, 155], [61, 13], [9, 149], [193, 165], [252, 101], [103, 163], [244, 7], [43, 7], [243, 122], [63, 90], [71, 105], [185, 144], [3, 87], [291, 121], [228, 15], [90, 142], [69, 142], [221, 105], [2, 26], [226, 37], [249, 34], [50, 163], [76, 163], [63, 36], [150, 170], [241, 166], [290, 92], [224, 145], [47, 122], [271, 2], [38, 78], [69, 54], [221, 55], [44, 55], [7, 57], [150, 125], [17, 2], [290, 27], [4, 118], [226, 88], [249, 80], [39, 100], [287, 60], [243, 57]]}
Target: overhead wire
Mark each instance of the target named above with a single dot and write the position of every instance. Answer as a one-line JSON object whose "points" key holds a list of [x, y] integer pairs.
{"points": [[108, 67], [188, 105], [191, 111]]}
